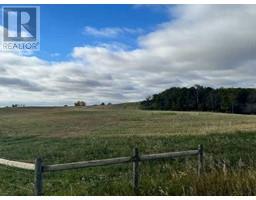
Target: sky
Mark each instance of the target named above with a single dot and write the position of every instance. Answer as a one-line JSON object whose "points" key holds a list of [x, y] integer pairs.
{"points": [[125, 53]]}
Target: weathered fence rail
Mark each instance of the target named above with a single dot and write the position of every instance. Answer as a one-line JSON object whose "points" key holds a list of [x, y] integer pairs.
{"points": [[136, 158], [85, 164], [16, 164], [168, 155]]}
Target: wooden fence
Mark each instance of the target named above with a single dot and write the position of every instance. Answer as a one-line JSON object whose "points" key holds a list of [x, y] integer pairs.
{"points": [[39, 168]]}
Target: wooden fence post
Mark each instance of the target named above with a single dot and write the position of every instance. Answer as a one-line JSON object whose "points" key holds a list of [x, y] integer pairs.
{"points": [[136, 159], [200, 160], [38, 177]]}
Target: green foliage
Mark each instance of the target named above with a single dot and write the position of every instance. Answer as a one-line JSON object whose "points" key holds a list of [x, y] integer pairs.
{"points": [[198, 98], [61, 135]]}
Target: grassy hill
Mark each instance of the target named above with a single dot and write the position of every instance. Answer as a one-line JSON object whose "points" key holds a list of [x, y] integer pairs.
{"points": [[60, 135]]}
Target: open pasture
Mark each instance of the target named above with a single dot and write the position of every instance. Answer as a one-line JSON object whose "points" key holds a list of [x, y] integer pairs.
{"points": [[61, 135]]}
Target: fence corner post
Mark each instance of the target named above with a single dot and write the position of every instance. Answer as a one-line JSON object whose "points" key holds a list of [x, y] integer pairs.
{"points": [[200, 159], [38, 177], [135, 161]]}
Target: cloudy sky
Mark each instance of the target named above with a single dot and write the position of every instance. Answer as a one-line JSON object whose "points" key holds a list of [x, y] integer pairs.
{"points": [[120, 53]]}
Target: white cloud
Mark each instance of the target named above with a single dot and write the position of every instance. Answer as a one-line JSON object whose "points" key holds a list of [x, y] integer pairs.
{"points": [[208, 45], [110, 31], [55, 55]]}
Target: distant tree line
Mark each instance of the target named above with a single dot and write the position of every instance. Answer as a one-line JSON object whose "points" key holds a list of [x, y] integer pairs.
{"points": [[199, 98], [79, 104], [18, 105]]}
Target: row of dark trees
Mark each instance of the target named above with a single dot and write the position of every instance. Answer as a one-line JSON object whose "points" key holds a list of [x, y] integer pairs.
{"points": [[199, 98], [79, 103]]}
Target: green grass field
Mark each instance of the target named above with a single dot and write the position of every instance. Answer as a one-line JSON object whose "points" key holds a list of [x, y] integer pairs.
{"points": [[61, 135]]}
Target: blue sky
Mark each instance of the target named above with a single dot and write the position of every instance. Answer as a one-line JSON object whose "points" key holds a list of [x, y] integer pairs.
{"points": [[125, 53], [62, 26]]}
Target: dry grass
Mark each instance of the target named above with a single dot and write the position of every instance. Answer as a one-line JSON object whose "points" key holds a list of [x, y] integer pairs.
{"points": [[79, 122], [61, 135]]}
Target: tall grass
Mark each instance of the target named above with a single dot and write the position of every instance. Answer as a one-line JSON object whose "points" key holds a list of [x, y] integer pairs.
{"points": [[64, 135]]}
